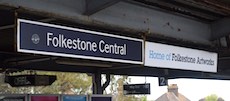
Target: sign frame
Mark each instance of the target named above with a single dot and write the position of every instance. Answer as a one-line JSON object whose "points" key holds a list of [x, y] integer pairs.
{"points": [[163, 81], [97, 95], [16, 95], [19, 49], [57, 95], [30, 80], [175, 57], [63, 95], [136, 93]]}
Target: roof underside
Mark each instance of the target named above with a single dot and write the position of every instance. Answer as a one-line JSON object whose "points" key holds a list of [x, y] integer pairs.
{"points": [[208, 10]]}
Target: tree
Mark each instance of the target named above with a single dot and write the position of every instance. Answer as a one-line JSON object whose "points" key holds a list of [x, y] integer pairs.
{"points": [[77, 83], [144, 98], [116, 88], [72, 83], [212, 97]]}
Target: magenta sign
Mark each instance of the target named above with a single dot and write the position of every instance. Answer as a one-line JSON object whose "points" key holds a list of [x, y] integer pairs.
{"points": [[43, 98]]}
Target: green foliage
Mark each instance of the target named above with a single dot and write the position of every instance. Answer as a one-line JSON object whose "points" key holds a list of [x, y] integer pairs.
{"points": [[144, 98], [116, 88], [212, 97]]}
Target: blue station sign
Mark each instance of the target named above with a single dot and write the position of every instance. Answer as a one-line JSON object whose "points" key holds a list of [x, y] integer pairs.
{"points": [[49, 39], [74, 98]]}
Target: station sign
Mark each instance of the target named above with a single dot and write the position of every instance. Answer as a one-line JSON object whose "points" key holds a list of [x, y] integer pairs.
{"points": [[167, 56], [44, 97], [163, 81], [49, 39], [74, 98], [12, 97], [101, 98], [136, 89], [30, 80]]}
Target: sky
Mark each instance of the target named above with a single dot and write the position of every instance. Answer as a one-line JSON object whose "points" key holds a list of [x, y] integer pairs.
{"points": [[193, 89]]}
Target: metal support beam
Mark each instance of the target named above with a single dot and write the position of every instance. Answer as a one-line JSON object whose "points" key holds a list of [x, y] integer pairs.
{"points": [[7, 27], [220, 28], [122, 16], [93, 6], [106, 82], [97, 87]]}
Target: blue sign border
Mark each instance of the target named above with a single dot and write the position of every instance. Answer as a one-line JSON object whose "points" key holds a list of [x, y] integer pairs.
{"points": [[63, 96], [24, 50]]}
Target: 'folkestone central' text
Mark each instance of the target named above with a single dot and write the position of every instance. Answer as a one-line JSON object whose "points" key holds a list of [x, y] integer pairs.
{"points": [[77, 44]]}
